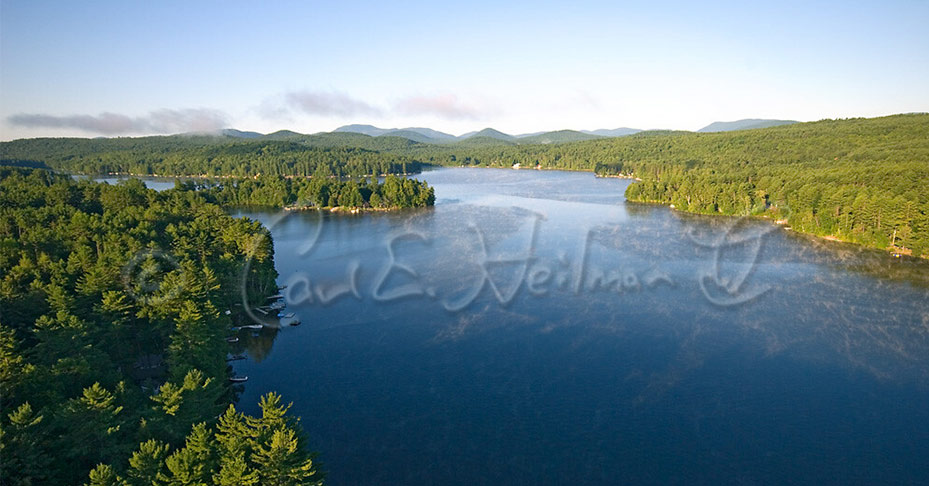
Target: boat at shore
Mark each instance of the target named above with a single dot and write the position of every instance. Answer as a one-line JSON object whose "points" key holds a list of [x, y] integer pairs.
{"points": [[238, 379]]}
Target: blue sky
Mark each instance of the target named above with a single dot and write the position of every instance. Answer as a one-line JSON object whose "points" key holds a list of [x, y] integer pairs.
{"points": [[130, 68]]}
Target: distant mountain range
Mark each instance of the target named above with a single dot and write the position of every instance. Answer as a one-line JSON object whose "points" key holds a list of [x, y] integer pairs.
{"points": [[747, 124], [490, 136], [487, 135], [427, 134]]}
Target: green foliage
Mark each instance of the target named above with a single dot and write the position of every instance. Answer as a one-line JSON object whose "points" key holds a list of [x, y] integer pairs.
{"points": [[240, 450], [147, 463], [298, 155], [560, 136], [25, 459], [104, 475], [276, 191], [112, 325], [859, 180]]}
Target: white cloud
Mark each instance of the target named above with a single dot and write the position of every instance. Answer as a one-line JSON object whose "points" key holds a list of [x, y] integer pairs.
{"points": [[159, 121], [318, 103], [446, 106]]}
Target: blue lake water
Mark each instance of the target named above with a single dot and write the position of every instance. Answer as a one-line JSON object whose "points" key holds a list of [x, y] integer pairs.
{"points": [[534, 328]]}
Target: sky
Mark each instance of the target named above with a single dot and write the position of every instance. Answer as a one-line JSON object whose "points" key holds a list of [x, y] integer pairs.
{"points": [[126, 68]]}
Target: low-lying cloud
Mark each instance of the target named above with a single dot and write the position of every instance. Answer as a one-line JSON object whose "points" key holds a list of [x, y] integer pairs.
{"points": [[446, 106], [337, 104], [158, 121], [283, 106], [327, 104]]}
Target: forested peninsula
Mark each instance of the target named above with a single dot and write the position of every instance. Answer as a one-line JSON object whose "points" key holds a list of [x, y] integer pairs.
{"points": [[117, 303], [316, 192]]}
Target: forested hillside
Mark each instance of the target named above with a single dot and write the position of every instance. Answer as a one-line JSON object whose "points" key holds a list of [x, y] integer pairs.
{"points": [[115, 305], [863, 181], [860, 180], [184, 155]]}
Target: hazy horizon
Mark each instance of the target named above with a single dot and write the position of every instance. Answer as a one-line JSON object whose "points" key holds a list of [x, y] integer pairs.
{"points": [[116, 69]]}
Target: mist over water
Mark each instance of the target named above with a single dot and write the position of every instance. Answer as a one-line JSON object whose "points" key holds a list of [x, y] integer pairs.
{"points": [[534, 328]]}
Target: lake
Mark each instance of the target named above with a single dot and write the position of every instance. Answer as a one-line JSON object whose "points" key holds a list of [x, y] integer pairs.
{"points": [[534, 328]]}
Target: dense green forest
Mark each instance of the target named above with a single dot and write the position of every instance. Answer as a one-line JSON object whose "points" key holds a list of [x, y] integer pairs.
{"points": [[115, 305], [321, 192], [185, 155], [863, 181]]}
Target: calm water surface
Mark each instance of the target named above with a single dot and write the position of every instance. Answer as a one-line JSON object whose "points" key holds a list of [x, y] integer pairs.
{"points": [[534, 328]]}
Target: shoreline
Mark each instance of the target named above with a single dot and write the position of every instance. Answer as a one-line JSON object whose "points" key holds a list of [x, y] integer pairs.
{"points": [[617, 176], [337, 209], [204, 176], [345, 210], [783, 225], [897, 253]]}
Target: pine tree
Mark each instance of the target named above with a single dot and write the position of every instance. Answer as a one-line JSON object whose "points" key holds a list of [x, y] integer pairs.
{"points": [[24, 462], [105, 475], [147, 463], [281, 462]]}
